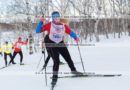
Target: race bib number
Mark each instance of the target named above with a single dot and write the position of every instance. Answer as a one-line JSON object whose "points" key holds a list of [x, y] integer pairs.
{"points": [[7, 48], [56, 33], [19, 45]]}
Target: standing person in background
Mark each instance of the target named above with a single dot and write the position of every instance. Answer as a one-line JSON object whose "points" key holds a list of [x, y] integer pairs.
{"points": [[56, 32], [18, 50], [7, 52]]}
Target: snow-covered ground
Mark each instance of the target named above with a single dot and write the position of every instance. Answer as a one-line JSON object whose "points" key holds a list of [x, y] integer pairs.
{"points": [[106, 57]]}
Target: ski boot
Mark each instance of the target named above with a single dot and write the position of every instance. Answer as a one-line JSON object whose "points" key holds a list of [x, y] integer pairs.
{"points": [[61, 63], [53, 83], [76, 73], [11, 62], [22, 64], [6, 65]]}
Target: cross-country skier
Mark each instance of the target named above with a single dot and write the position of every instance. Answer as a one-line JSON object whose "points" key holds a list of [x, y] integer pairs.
{"points": [[56, 32], [7, 52], [48, 52], [18, 50]]}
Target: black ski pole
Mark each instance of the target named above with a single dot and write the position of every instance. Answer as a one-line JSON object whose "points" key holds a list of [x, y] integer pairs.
{"points": [[45, 71], [42, 55], [44, 59], [81, 58], [39, 61]]}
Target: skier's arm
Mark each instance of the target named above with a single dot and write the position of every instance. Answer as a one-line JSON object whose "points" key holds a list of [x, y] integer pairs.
{"points": [[2, 49], [10, 46], [14, 45], [38, 29], [25, 43], [45, 27], [41, 28], [70, 32]]}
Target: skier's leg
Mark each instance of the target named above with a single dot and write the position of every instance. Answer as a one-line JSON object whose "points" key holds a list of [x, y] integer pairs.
{"points": [[21, 57], [55, 56], [66, 55], [12, 59], [10, 55], [5, 58], [48, 57]]}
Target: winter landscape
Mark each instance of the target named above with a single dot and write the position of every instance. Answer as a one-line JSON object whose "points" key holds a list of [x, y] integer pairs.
{"points": [[99, 43]]}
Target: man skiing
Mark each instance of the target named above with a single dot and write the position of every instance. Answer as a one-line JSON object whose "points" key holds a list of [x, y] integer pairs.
{"points": [[7, 52], [18, 50], [56, 32]]}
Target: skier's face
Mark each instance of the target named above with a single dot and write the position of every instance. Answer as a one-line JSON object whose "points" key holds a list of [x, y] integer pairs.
{"points": [[57, 20], [19, 40]]}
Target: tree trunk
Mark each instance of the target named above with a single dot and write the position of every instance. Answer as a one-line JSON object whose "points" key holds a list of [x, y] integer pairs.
{"points": [[96, 30], [30, 43]]}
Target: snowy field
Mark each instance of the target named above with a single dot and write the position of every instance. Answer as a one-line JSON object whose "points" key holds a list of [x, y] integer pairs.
{"points": [[106, 57]]}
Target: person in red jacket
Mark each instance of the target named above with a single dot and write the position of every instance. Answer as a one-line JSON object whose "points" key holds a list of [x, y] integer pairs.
{"points": [[56, 31], [18, 50]]}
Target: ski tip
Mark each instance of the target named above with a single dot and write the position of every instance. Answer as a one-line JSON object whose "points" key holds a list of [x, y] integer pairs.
{"points": [[52, 87], [119, 75]]}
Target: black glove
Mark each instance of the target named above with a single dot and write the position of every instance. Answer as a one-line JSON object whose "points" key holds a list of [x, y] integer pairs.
{"points": [[26, 40], [1, 54], [44, 66], [43, 52]]}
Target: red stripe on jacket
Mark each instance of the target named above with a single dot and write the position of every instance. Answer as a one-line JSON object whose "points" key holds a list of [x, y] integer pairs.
{"points": [[47, 27]]}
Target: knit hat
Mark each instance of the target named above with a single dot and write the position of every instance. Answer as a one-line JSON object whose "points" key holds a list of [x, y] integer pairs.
{"points": [[19, 38], [55, 14]]}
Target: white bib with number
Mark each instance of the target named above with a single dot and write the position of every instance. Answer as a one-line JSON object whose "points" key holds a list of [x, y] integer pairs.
{"points": [[19, 45], [57, 32], [7, 48]]}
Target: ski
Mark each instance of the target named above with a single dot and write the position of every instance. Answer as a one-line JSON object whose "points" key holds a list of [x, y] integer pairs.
{"points": [[52, 87], [2, 67], [91, 75], [51, 66], [10, 65], [23, 64], [60, 65], [65, 64]]}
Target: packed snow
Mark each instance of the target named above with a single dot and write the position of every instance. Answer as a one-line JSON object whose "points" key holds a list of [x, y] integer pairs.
{"points": [[109, 56]]}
